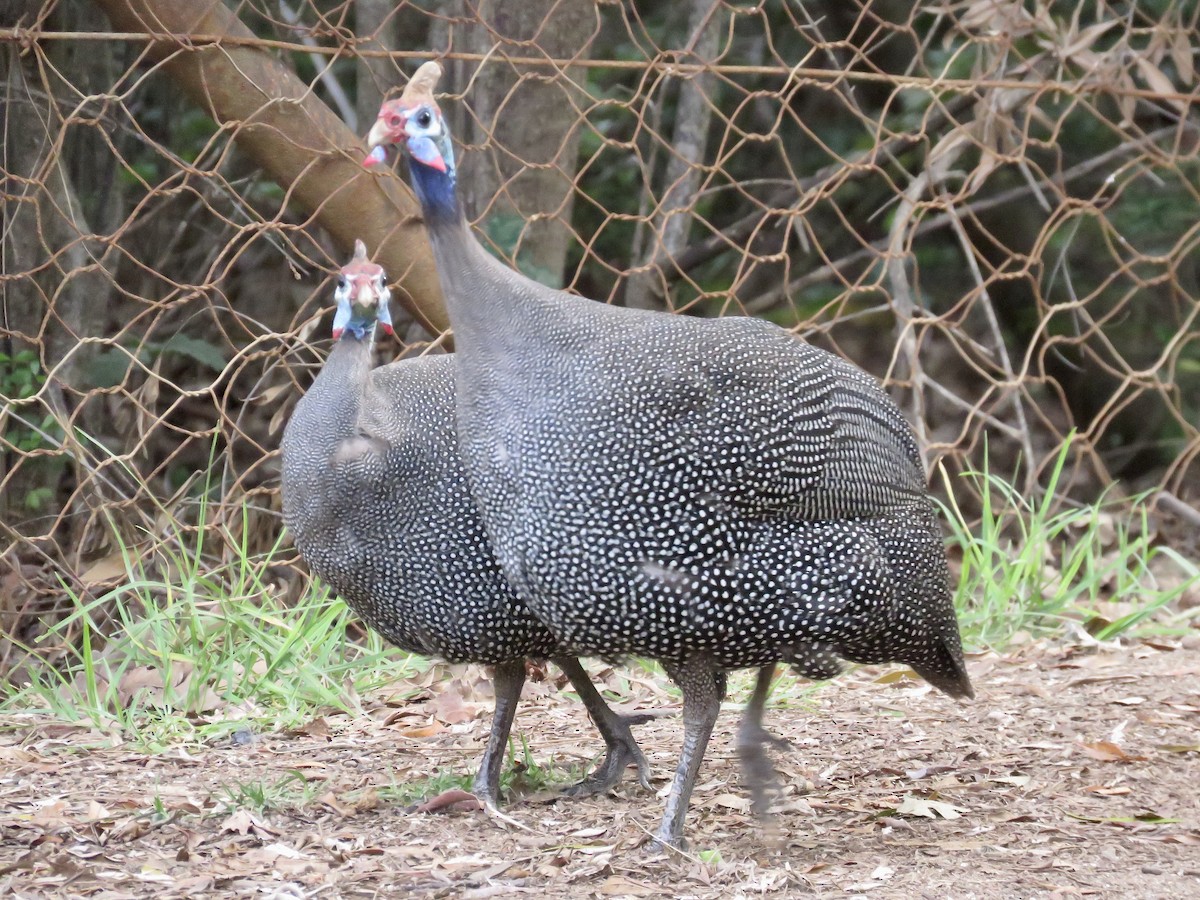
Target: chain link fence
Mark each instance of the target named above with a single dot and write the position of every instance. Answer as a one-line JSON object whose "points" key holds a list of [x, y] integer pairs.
{"points": [[993, 206]]}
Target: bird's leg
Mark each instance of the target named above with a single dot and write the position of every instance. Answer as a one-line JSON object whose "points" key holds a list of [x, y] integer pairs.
{"points": [[757, 771], [506, 683], [614, 728], [703, 687]]}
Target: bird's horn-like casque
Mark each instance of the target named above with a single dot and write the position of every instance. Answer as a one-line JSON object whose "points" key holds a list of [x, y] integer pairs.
{"points": [[420, 86]]}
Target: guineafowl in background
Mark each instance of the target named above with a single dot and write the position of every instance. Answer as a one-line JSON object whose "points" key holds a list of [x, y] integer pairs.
{"points": [[713, 494], [376, 499]]}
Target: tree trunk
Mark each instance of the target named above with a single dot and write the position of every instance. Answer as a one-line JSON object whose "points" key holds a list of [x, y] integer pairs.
{"points": [[375, 25], [528, 123], [58, 287], [689, 141]]}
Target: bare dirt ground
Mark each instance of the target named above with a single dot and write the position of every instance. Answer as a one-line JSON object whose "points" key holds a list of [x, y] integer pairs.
{"points": [[1076, 772]]}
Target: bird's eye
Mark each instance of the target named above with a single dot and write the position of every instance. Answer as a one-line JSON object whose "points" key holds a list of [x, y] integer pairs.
{"points": [[342, 282], [424, 118], [382, 278]]}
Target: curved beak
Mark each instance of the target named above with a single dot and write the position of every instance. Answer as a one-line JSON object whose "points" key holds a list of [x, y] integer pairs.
{"points": [[377, 142], [368, 297], [379, 135], [364, 294]]}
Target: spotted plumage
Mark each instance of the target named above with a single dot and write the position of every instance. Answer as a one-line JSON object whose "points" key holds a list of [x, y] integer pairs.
{"points": [[711, 493], [376, 499]]}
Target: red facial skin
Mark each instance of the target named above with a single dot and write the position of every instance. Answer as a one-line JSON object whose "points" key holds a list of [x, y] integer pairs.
{"points": [[388, 129]]}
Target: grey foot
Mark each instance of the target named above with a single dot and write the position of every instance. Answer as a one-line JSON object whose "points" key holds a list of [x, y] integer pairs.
{"points": [[622, 751], [758, 772], [484, 793], [664, 843]]}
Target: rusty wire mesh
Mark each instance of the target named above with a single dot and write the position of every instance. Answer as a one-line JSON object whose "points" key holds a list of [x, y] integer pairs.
{"points": [[991, 205]]}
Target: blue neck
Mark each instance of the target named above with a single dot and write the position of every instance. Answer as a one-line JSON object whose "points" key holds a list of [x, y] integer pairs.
{"points": [[436, 192]]}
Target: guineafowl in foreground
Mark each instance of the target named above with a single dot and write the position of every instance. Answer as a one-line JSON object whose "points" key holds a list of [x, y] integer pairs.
{"points": [[713, 494], [376, 499]]}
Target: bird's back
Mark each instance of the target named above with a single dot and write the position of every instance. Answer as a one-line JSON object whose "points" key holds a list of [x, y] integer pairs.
{"points": [[709, 485]]}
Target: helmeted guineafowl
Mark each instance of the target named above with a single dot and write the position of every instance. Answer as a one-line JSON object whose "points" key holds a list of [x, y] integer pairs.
{"points": [[376, 499], [710, 493]]}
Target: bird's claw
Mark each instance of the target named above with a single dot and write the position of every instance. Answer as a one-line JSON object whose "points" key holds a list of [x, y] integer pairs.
{"points": [[775, 740], [622, 751]]}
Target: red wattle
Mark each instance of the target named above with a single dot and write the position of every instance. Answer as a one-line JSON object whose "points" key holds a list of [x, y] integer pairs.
{"points": [[377, 155]]}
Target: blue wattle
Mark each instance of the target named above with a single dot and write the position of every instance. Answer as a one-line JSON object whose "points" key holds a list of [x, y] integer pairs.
{"points": [[435, 190], [353, 326]]}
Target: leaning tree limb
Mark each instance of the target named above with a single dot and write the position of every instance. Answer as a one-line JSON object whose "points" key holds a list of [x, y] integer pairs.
{"points": [[283, 126]]}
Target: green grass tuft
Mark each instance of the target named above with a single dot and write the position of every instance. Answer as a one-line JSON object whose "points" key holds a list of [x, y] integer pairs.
{"points": [[409, 793], [188, 649], [522, 775], [291, 792], [1035, 566]]}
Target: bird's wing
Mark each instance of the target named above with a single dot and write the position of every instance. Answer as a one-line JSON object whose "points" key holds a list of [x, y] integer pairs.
{"points": [[408, 401], [786, 428]]}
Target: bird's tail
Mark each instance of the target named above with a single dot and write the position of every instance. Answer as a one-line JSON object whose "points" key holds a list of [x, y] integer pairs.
{"points": [[945, 669]]}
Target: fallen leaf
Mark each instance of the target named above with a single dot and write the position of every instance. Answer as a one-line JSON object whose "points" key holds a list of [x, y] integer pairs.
{"points": [[594, 849], [139, 678], [245, 822], [1151, 818], [96, 812], [912, 805], [620, 886], [51, 815], [420, 731], [729, 801], [105, 569], [1099, 679], [196, 886], [330, 800], [281, 850], [1190, 839], [318, 727], [898, 676], [452, 709], [1107, 751], [1160, 645], [589, 832], [311, 764], [926, 771], [455, 799]]}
